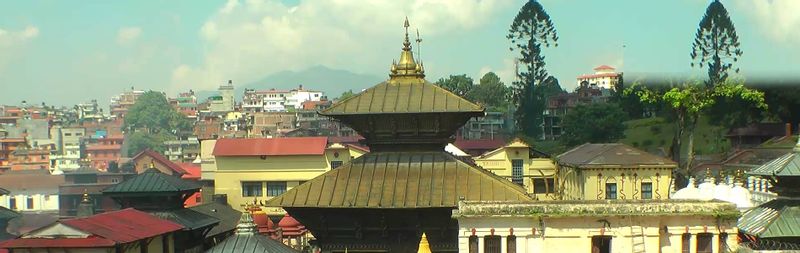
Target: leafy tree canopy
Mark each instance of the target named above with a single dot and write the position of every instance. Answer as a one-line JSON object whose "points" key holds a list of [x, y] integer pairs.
{"points": [[490, 91], [153, 113], [594, 123], [345, 95], [460, 85], [139, 141]]}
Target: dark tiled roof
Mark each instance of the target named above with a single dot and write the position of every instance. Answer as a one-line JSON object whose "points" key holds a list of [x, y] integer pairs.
{"points": [[611, 154], [227, 216], [153, 181], [400, 180], [248, 243], [188, 218], [27, 181], [775, 219], [786, 165], [403, 96], [7, 214]]}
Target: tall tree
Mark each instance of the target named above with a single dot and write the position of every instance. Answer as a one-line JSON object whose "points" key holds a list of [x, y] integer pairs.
{"points": [[457, 84], [688, 101], [490, 91], [151, 121], [716, 44], [599, 122], [530, 31]]}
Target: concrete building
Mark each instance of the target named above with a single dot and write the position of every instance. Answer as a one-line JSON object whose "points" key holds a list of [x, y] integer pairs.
{"points": [[494, 125], [249, 169], [272, 124], [90, 182], [8, 146], [598, 226], [224, 102], [33, 190], [208, 168], [30, 159], [604, 77], [89, 111], [278, 100], [121, 103], [184, 150], [68, 148], [612, 171], [104, 150], [522, 164]]}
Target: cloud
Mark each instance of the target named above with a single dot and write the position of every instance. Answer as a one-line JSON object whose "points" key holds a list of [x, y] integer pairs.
{"points": [[245, 41], [12, 41], [779, 19], [506, 72], [127, 35]]}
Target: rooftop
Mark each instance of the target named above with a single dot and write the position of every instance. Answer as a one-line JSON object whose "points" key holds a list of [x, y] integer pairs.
{"points": [[160, 159], [775, 219], [153, 181], [606, 155], [271, 146]]}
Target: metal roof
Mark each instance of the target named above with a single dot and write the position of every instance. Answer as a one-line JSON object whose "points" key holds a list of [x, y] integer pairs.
{"points": [[591, 155], [7, 214], [786, 165], [227, 216], [188, 218], [250, 243], [774, 219], [271, 146], [413, 95], [153, 181], [400, 180]]}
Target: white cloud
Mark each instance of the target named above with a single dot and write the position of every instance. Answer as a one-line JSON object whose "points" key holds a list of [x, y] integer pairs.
{"points": [[127, 35], [506, 72], [779, 19], [246, 40], [12, 41]]}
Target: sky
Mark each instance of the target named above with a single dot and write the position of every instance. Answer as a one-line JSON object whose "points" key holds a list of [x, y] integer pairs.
{"points": [[67, 52]]}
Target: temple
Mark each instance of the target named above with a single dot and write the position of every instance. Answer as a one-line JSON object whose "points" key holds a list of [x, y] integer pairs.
{"points": [[407, 185]]}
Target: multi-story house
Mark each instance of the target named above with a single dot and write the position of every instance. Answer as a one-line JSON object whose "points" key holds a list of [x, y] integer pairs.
{"points": [[121, 103], [262, 168], [495, 125], [272, 124], [89, 111], [103, 151], [224, 102], [31, 190], [559, 105], [30, 159], [91, 182], [186, 104], [67, 154], [604, 77], [278, 100], [8, 146], [522, 164], [184, 150], [612, 171]]}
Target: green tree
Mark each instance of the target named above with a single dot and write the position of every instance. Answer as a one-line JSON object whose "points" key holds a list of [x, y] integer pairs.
{"points": [[595, 123], [151, 121], [530, 31], [688, 101], [460, 85], [490, 91], [716, 44], [345, 95], [139, 141]]}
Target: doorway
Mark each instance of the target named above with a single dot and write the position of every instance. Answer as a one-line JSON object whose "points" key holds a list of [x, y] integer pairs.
{"points": [[601, 244]]}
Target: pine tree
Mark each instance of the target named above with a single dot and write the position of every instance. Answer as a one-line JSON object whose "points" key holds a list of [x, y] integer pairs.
{"points": [[716, 44]]}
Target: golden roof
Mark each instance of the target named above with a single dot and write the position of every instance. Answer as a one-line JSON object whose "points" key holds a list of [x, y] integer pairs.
{"points": [[424, 247]]}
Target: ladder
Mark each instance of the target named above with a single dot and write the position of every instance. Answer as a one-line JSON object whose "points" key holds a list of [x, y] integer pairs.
{"points": [[637, 238]]}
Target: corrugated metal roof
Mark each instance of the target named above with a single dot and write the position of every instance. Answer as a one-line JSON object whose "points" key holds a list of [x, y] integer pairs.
{"points": [[591, 155], [786, 165], [91, 242], [228, 216], [774, 219], [400, 180], [403, 96], [188, 218], [7, 214], [153, 181], [250, 243], [271, 146]]}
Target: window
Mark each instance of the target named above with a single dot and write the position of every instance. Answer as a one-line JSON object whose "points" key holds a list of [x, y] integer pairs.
{"points": [[511, 244], [275, 188], [723, 243], [686, 243], [544, 185], [12, 202], [611, 190], [491, 244], [601, 244], [473, 244], [336, 164], [251, 189], [29, 203], [67, 134], [516, 171], [647, 190], [704, 242]]}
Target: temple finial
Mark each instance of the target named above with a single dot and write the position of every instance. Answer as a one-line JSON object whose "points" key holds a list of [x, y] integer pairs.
{"points": [[406, 43], [85, 198]]}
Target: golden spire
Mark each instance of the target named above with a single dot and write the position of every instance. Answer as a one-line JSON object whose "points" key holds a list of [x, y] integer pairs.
{"points": [[85, 198], [406, 67], [424, 247]]}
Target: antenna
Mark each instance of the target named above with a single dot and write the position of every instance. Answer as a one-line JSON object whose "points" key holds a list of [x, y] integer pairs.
{"points": [[419, 50]]}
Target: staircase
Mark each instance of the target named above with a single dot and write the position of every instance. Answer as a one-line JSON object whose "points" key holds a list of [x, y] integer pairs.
{"points": [[637, 238]]}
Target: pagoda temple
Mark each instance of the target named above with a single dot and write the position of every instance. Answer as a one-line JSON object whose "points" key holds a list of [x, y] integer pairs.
{"points": [[775, 225], [407, 185]]}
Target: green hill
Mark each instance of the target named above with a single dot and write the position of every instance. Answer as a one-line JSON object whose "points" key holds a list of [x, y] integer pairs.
{"points": [[652, 134]]}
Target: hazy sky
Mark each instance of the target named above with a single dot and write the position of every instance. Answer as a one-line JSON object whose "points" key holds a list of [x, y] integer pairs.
{"points": [[65, 52]]}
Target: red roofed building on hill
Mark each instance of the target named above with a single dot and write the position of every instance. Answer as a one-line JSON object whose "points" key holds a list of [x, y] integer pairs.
{"points": [[604, 77], [127, 230]]}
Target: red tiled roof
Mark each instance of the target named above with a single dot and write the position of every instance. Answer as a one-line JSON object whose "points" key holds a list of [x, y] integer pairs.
{"points": [[124, 226], [107, 229], [161, 159], [271, 146], [192, 170], [604, 67], [597, 75], [103, 147]]}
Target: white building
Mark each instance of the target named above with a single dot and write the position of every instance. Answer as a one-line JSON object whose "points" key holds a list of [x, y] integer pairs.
{"points": [[68, 148], [224, 102], [604, 77], [30, 191], [278, 100]]}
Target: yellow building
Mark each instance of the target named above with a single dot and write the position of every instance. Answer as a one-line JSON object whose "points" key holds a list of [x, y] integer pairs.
{"points": [[250, 169], [522, 164], [597, 226], [612, 171]]}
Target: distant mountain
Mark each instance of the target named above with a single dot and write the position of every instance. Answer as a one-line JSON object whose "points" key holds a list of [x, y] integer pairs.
{"points": [[331, 81]]}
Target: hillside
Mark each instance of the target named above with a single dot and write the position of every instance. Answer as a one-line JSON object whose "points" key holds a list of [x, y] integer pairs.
{"points": [[653, 134]]}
